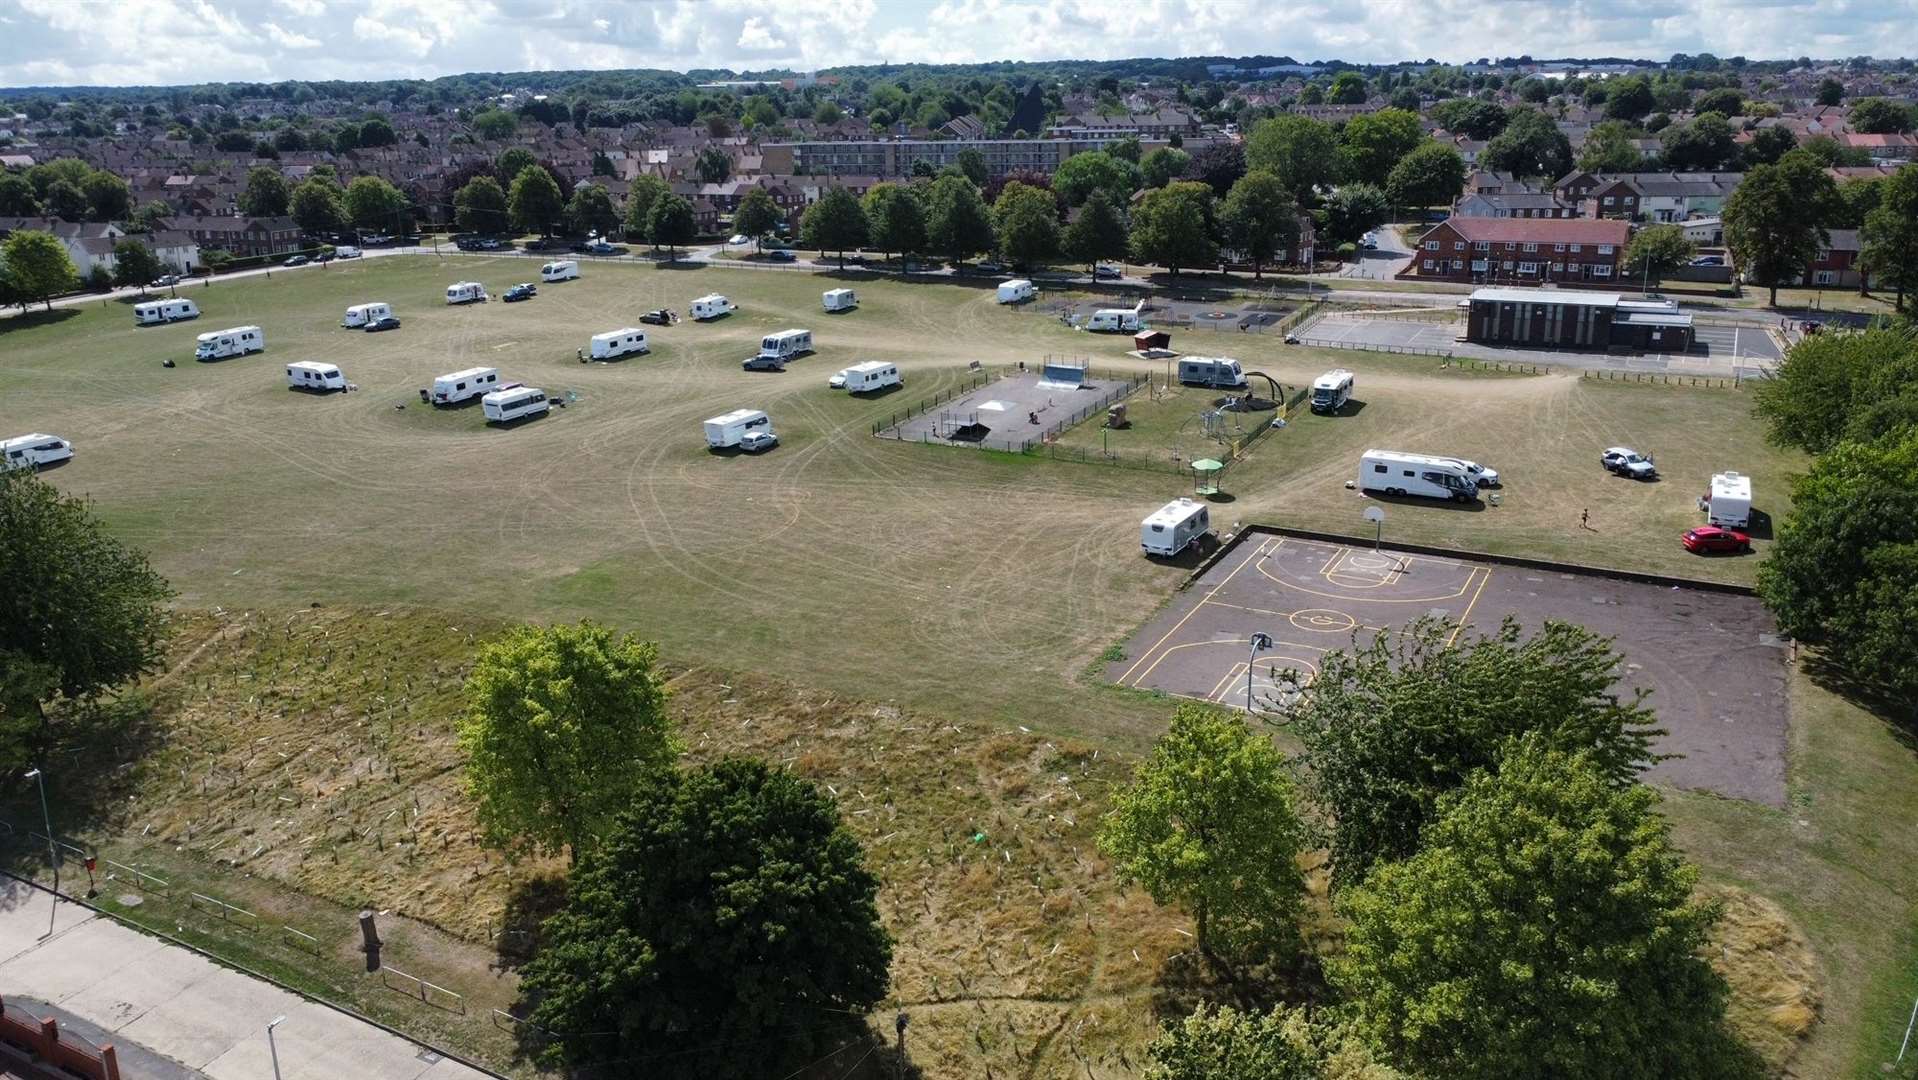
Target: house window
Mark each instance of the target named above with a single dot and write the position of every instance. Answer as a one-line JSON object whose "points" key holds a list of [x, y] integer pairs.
{"points": [[1507, 264], [1481, 245], [1558, 268], [1529, 248], [1458, 245], [1528, 268], [1431, 245], [1601, 270], [1559, 248], [1478, 266], [1575, 249], [1428, 264], [1604, 249], [1609, 200], [1825, 277], [1458, 264]]}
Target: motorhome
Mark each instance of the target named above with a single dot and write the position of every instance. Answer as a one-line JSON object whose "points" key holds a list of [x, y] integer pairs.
{"points": [[221, 344], [1174, 527], [727, 429], [315, 376], [867, 377], [33, 451], [1114, 320], [1331, 391], [465, 292], [786, 344], [617, 343], [711, 306], [1729, 502], [837, 300], [360, 314], [1016, 291], [155, 312], [506, 406], [563, 270], [1390, 472], [1222, 372], [464, 385]]}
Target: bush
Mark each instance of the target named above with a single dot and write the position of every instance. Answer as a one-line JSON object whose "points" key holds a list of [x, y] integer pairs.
{"points": [[216, 260], [101, 280], [1348, 251]]}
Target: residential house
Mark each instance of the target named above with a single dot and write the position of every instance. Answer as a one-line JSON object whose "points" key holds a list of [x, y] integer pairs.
{"points": [[1481, 182], [1302, 254], [241, 237], [1526, 251], [1514, 205], [90, 243], [895, 157], [1890, 148], [1648, 196], [1837, 264]]}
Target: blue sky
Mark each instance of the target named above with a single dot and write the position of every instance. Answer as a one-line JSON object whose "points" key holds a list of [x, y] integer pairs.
{"points": [[65, 42]]}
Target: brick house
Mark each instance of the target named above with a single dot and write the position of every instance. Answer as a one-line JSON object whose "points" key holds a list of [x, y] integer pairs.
{"points": [[1526, 251], [1837, 264], [240, 236], [1513, 205]]}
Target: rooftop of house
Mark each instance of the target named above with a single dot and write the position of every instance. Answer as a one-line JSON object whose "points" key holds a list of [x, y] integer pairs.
{"points": [[1539, 230]]}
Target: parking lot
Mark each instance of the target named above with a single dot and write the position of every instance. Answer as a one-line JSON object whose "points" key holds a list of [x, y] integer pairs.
{"points": [[1720, 351]]}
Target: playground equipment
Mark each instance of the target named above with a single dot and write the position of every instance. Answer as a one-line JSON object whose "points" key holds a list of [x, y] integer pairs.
{"points": [[1205, 476], [1250, 402], [1116, 418]]}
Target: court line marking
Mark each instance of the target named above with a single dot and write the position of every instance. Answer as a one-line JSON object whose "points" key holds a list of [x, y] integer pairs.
{"points": [[1460, 591], [1255, 554], [1467, 615]]}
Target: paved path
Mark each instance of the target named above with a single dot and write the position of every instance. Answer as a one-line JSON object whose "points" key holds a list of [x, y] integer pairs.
{"points": [[173, 1002]]}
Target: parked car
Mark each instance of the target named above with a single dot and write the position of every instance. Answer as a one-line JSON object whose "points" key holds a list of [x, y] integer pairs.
{"points": [[781, 255], [1709, 260], [658, 317], [1626, 461], [522, 291], [375, 238], [764, 363], [1712, 540], [387, 323], [989, 266], [754, 442], [1107, 273], [487, 243], [1485, 477], [739, 238], [1369, 245], [163, 281], [600, 247], [297, 260]]}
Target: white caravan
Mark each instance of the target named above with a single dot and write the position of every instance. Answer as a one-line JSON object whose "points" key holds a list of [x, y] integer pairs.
{"points": [[1016, 291], [33, 451], [221, 344], [315, 376], [155, 312], [1216, 371], [711, 306], [1730, 501], [563, 270], [462, 385], [864, 378], [617, 343], [361, 314], [785, 345], [837, 300], [506, 406], [465, 292], [1331, 391], [1114, 320], [727, 429], [1174, 527], [1392, 473]]}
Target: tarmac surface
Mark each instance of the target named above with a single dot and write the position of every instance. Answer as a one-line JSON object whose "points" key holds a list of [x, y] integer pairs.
{"points": [[1005, 414], [1719, 352]]}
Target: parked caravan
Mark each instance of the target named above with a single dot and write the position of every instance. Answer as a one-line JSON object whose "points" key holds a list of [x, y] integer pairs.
{"points": [[617, 343], [155, 312], [1114, 320], [727, 429], [1729, 502], [1016, 291], [506, 406], [221, 344], [1222, 372], [1392, 473], [360, 314], [465, 292], [315, 376], [1331, 391], [33, 451], [837, 300], [463, 385], [785, 345], [867, 377], [563, 270], [711, 306], [1174, 527]]}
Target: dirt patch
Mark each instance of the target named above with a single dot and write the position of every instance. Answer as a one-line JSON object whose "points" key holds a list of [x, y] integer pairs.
{"points": [[1777, 986]]}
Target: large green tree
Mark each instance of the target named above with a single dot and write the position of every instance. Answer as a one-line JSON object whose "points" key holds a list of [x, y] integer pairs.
{"points": [[1026, 221], [1609, 147], [480, 206], [1300, 151], [1830, 92], [1531, 146], [958, 222], [534, 201], [495, 124], [1470, 117], [1347, 88], [1372, 143], [712, 165], [1629, 98], [895, 218], [1703, 144], [1890, 232], [266, 193], [591, 210], [835, 223], [510, 163], [38, 268], [66, 201], [1173, 226], [134, 263], [1260, 218], [1163, 165], [1285, 1044], [1432, 175], [1877, 116], [1097, 233], [17, 197], [1772, 219], [640, 196], [108, 197], [756, 215], [1768, 144], [1095, 170], [318, 206], [1818, 390], [375, 205], [1657, 250], [672, 222], [1354, 210]]}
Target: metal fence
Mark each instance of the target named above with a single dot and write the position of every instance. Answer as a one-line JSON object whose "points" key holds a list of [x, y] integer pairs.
{"points": [[1665, 378], [1366, 346], [893, 420]]}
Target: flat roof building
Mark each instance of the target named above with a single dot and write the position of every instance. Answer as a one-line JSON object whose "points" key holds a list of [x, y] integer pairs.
{"points": [[1570, 318]]}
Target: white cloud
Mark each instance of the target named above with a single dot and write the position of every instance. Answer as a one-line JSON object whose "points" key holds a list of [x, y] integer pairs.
{"points": [[310, 9], [372, 31], [287, 39], [754, 37]]}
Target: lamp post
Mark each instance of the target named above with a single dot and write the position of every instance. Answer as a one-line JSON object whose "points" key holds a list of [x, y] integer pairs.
{"points": [[1260, 641], [271, 1048], [53, 850]]}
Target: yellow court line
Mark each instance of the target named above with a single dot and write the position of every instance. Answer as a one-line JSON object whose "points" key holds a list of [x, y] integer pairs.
{"points": [[1221, 686], [1256, 553], [1147, 673], [1462, 619], [1460, 591], [1377, 580], [1356, 625]]}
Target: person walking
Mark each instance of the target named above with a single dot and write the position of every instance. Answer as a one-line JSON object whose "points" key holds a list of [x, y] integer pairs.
{"points": [[1585, 519]]}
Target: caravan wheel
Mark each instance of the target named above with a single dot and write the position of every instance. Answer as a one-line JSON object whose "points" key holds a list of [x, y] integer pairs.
{"points": [[1395, 491]]}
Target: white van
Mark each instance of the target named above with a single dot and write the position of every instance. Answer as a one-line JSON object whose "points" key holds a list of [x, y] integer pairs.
{"points": [[617, 343], [1392, 473], [1114, 320], [1331, 391], [1222, 372], [1730, 502], [867, 377], [712, 306], [462, 385], [506, 406], [33, 451], [155, 312], [785, 345], [563, 270], [361, 314], [1174, 527], [221, 344], [346, 251], [727, 429], [1016, 291], [315, 376], [837, 300], [465, 292]]}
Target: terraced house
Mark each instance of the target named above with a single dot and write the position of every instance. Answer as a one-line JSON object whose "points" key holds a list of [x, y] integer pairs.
{"points": [[1521, 251]]}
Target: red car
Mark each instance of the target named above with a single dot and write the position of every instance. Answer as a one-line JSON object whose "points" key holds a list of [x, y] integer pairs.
{"points": [[1709, 539]]}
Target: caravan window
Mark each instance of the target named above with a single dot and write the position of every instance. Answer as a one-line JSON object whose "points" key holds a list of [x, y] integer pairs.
{"points": [[1411, 472], [1158, 528], [1378, 468]]}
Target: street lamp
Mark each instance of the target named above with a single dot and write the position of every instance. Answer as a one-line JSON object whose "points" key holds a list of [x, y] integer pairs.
{"points": [[53, 850], [1260, 642], [271, 1048]]}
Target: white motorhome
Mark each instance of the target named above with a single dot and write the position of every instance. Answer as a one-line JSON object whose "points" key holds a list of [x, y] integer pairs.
{"points": [[33, 451], [1216, 371], [465, 292], [1016, 291], [563, 270], [711, 306], [1114, 320], [1331, 391], [315, 376], [463, 385], [786, 344], [726, 429], [837, 300], [155, 312], [867, 377], [361, 314], [221, 344], [1174, 527], [1390, 472], [617, 343], [506, 406], [1729, 503]]}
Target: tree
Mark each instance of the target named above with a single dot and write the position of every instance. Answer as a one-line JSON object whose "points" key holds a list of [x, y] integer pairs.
{"points": [[534, 201], [973, 164], [835, 223], [108, 197], [1877, 116], [266, 193], [1127, 149], [1162, 166], [1208, 823], [1830, 92], [1300, 151], [645, 190], [1704, 144], [480, 206], [45, 175], [1548, 927], [1657, 250], [37, 267], [958, 222], [1081, 174], [1348, 88], [374, 204], [1226, 1044], [1432, 175], [671, 221], [1609, 148], [1725, 101], [727, 926], [828, 113], [1825, 380], [1372, 143], [591, 211], [1354, 210], [1173, 226], [1768, 144], [66, 201], [1219, 166], [378, 131], [1771, 219], [1260, 218], [1378, 761], [495, 124], [756, 215], [1890, 232], [603, 165], [1855, 201], [1530, 145], [712, 165], [1830, 153], [895, 218], [1026, 220], [1628, 99], [1470, 117], [564, 726], [318, 205], [1098, 233], [17, 197], [134, 263], [511, 163]]}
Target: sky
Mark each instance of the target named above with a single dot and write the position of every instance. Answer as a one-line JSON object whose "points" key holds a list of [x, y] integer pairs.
{"points": [[128, 42]]}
